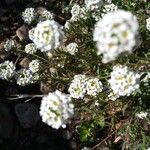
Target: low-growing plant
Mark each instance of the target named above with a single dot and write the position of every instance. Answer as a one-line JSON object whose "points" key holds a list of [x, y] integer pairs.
{"points": [[93, 56]]}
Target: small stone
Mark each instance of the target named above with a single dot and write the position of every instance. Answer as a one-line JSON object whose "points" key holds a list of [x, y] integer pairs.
{"points": [[40, 10], [28, 114], [22, 33], [45, 87], [25, 62]]}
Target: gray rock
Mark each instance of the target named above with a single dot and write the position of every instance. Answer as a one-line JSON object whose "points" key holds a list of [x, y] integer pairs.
{"points": [[39, 10], [25, 62], [22, 33], [45, 87], [28, 114]]}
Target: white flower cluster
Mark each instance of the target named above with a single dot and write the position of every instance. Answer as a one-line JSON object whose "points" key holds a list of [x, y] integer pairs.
{"points": [[142, 115], [34, 66], [93, 86], [30, 48], [7, 70], [56, 108], [95, 7], [115, 34], [9, 44], [97, 15], [123, 81], [148, 24], [71, 48], [47, 35], [82, 85], [77, 88], [78, 12], [46, 15], [29, 15], [26, 76]]}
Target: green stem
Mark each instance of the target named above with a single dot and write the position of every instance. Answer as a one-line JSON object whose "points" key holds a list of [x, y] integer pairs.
{"points": [[41, 58], [61, 78]]}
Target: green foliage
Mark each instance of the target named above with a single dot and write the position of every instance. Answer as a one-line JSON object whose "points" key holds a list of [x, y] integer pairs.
{"points": [[85, 132]]}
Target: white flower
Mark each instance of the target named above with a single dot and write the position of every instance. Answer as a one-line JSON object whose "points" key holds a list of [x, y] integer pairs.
{"points": [[97, 17], [123, 82], [29, 15], [75, 10], [142, 115], [85, 148], [9, 44], [26, 76], [47, 35], [83, 13], [67, 24], [49, 55], [109, 8], [56, 108], [148, 24], [95, 7], [7, 70], [96, 103], [93, 4], [115, 34], [93, 86], [46, 15], [108, 1], [112, 96], [77, 88], [72, 48], [30, 48], [80, 77], [34, 65], [78, 12]]}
